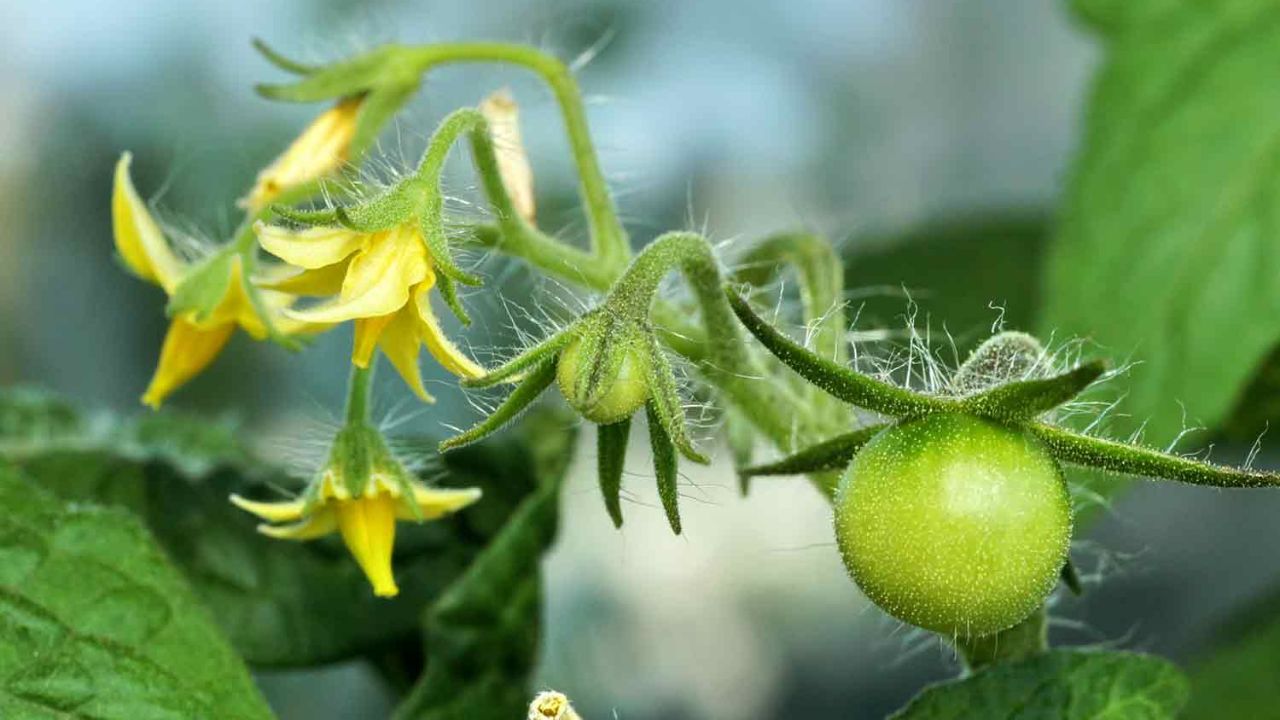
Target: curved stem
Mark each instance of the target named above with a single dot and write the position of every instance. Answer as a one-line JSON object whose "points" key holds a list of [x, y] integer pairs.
{"points": [[728, 363], [608, 239], [821, 276]]}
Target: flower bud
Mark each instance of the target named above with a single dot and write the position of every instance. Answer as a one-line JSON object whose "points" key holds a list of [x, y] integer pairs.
{"points": [[604, 374]]}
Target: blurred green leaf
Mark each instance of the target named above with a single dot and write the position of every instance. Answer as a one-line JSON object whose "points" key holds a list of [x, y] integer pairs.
{"points": [[1061, 684], [964, 273], [95, 623], [1237, 678], [1167, 245], [281, 603], [481, 636]]}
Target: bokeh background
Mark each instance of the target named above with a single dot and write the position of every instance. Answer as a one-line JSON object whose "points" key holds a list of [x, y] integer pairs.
{"points": [[918, 134]]}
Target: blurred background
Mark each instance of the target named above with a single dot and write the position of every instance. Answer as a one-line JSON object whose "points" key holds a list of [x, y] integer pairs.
{"points": [[920, 135]]}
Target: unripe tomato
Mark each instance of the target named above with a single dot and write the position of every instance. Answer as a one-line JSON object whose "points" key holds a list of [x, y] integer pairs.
{"points": [[624, 394], [955, 524]]}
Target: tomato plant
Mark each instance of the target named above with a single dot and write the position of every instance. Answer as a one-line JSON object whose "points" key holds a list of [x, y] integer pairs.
{"points": [[130, 587]]}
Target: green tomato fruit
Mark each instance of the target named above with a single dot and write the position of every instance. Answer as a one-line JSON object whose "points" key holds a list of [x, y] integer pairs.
{"points": [[618, 399], [955, 524]]}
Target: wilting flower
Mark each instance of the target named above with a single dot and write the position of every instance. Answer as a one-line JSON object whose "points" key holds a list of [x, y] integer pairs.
{"points": [[210, 297], [381, 280], [319, 151], [552, 705], [361, 493]]}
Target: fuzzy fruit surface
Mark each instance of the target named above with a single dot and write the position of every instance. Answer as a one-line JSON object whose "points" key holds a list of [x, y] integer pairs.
{"points": [[616, 398], [954, 524]]}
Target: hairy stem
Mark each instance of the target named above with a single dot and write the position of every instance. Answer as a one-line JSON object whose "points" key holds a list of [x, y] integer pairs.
{"points": [[728, 363], [358, 387], [608, 239]]}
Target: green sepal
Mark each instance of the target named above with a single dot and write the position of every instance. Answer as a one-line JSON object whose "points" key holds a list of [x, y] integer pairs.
{"points": [[833, 454], [664, 399], [345, 77], [664, 465], [358, 453], [449, 291], [1071, 578], [1025, 399], [837, 380], [525, 393], [280, 61], [611, 456], [603, 351], [543, 351], [249, 258], [437, 241], [1076, 449], [203, 288], [1005, 356], [390, 209]]}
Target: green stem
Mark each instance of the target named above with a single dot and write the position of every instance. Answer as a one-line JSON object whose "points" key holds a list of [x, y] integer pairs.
{"points": [[608, 239], [358, 387]]}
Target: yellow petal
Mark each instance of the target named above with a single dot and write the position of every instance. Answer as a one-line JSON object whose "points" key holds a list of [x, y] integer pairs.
{"points": [[187, 350], [435, 502], [318, 524], [503, 115], [310, 248], [399, 342], [320, 150], [282, 511], [369, 529], [440, 347], [287, 278], [138, 238], [368, 330], [378, 279]]}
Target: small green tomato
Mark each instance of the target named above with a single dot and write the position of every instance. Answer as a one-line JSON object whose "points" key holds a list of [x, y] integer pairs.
{"points": [[954, 524], [624, 394]]}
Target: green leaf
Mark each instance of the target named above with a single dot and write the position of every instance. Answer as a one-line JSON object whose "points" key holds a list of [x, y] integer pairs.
{"points": [[1166, 248], [280, 603], [1236, 678], [1001, 249], [1061, 684], [481, 636], [94, 622]]}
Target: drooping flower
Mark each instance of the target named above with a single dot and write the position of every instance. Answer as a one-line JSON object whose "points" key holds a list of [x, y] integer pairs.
{"points": [[209, 297], [318, 152], [381, 280], [361, 493]]}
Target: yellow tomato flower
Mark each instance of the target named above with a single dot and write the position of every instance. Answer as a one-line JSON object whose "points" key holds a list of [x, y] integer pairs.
{"points": [[319, 151], [362, 500], [195, 338], [381, 280]]}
